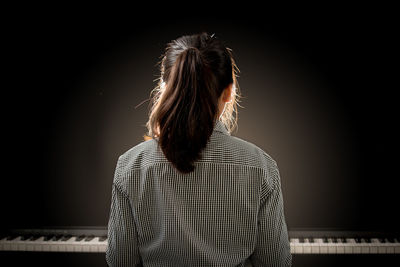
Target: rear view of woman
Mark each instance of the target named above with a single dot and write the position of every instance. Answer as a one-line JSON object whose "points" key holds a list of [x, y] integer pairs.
{"points": [[192, 194]]}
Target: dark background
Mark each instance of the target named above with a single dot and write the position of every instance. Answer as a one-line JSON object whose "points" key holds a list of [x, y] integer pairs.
{"points": [[319, 96]]}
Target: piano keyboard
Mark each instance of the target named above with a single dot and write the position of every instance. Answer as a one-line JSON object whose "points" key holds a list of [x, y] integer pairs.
{"points": [[304, 242], [344, 246], [58, 244], [56, 240]]}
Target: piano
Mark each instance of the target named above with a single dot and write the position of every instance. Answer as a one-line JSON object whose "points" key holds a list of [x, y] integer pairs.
{"points": [[94, 240]]}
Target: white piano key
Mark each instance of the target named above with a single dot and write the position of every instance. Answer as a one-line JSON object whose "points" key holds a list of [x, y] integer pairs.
{"points": [[340, 249], [340, 246], [38, 244], [373, 246], [22, 246], [69, 244], [390, 249], [381, 246], [331, 246], [93, 244], [299, 249], [46, 247], [314, 246], [306, 246], [7, 245], [348, 246], [382, 249], [78, 246], [293, 244], [61, 246], [332, 249], [356, 249], [292, 248], [396, 246], [365, 248], [323, 247], [29, 247], [14, 243], [85, 248], [103, 247], [306, 249], [373, 249], [53, 245]]}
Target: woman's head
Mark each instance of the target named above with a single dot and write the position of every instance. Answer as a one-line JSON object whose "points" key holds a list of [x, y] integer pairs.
{"points": [[197, 72]]}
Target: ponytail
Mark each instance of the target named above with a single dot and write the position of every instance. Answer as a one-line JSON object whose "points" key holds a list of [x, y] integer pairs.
{"points": [[186, 106]]}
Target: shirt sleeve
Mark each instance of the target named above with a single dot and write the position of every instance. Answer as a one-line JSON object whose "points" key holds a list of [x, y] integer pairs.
{"points": [[122, 247], [272, 246]]}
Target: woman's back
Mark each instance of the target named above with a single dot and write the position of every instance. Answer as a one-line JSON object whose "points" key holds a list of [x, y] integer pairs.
{"points": [[194, 195], [227, 212]]}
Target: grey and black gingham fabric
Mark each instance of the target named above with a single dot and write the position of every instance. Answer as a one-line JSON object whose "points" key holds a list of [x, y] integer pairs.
{"points": [[227, 212]]}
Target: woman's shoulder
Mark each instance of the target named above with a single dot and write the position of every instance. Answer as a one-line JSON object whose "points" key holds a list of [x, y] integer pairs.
{"points": [[243, 152], [140, 155]]}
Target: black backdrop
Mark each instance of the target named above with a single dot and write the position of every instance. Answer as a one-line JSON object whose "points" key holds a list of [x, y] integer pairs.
{"points": [[318, 96]]}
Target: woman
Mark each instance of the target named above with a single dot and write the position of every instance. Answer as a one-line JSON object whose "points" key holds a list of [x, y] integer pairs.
{"points": [[192, 194]]}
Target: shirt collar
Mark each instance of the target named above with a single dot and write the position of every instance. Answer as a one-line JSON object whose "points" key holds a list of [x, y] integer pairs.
{"points": [[220, 127]]}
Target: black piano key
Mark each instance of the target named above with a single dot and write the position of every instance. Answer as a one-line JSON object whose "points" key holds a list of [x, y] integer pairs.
{"points": [[25, 237], [357, 239], [325, 239], [56, 237], [89, 238], [48, 237], [11, 237], [301, 240], [334, 239], [102, 238], [80, 238], [34, 237], [66, 237]]}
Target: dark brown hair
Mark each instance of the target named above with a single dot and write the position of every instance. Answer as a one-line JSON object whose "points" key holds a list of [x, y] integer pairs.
{"points": [[195, 70]]}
